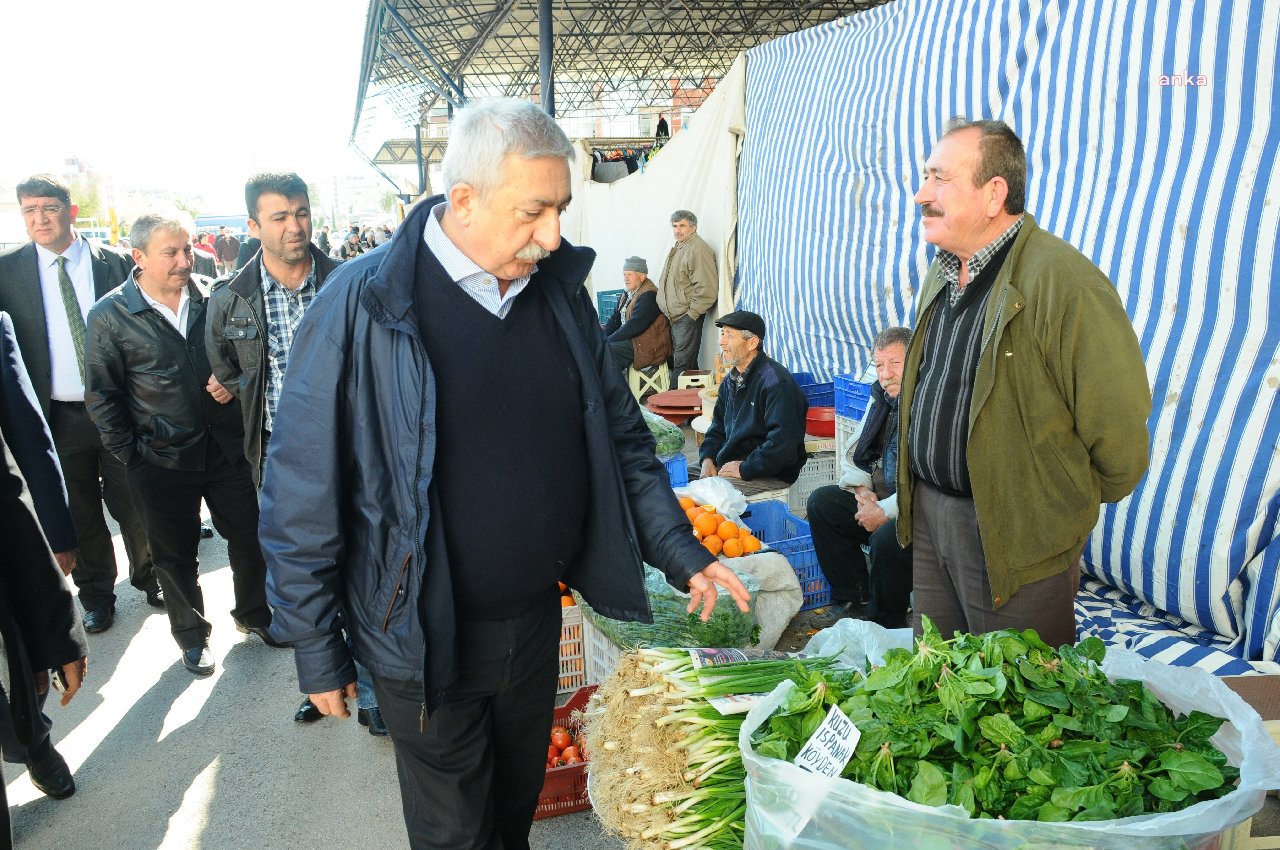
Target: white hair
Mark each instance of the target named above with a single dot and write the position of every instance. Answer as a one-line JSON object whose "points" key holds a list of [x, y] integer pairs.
{"points": [[487, 131]]}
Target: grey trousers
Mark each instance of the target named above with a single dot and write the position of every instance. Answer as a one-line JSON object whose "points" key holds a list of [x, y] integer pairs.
{"points": [[950, 577], [686, 339]]}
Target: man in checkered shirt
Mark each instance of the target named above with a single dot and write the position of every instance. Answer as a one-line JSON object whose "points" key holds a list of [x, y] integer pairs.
{"points": [[252, 320]]}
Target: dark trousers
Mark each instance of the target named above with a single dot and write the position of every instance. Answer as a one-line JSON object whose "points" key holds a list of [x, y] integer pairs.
{"points": [[93, 475], [13, 750], [470, 778], [623, 353], [951, 583], [686, 339], [170, 503], [838, 539]]}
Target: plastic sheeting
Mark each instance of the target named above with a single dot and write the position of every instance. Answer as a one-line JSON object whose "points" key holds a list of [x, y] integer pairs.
{"points": [[697, 171]]}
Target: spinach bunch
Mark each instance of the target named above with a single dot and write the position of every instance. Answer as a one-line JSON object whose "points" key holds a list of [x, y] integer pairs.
{"points": [[1004, 726]]}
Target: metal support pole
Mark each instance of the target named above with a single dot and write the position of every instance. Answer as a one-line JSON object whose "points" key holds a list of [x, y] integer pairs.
{"points": [[422, 166], [546, 49]]}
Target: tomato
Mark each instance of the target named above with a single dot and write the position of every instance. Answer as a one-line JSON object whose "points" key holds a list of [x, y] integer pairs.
{"points": [[560, 739], [555, 729], [570, 752], [573, 760], [552, 752]]}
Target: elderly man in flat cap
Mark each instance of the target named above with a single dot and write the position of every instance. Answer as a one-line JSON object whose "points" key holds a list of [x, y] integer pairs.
{"points": [[757, 429], [639, 333]]}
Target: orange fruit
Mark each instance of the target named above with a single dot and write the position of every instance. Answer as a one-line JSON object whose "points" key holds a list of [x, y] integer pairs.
{"points": [[686, 502], [563, 587], [732, 547], [694, 512], [750, 543], [709, 508], [714, 544], [697, 535], [707, 524], [566, 602], [727, 530]]}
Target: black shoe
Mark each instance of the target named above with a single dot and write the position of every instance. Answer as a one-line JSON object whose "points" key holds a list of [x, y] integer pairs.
{"points": [[307, 712], [260, 631], [206, 531], [198, 661], [99, 619], [155, 597], [50, 774], [372, 718]]}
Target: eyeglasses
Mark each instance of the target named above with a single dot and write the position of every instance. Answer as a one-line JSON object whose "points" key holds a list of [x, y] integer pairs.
{"points": [[44, 209]]}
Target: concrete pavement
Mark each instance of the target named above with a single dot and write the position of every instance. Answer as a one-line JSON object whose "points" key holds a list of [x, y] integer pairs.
{"points": [[165, 760]]}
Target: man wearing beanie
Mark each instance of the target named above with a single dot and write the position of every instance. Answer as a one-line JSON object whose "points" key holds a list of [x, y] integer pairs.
{"points": [[757, 429], [639, 334]]}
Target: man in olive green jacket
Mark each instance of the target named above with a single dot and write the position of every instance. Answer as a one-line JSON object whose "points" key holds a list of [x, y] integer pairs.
{"points": [[1024, 400]]}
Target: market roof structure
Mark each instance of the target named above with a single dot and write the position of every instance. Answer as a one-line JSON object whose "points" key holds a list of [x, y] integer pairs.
{"points": [[608, 58]]}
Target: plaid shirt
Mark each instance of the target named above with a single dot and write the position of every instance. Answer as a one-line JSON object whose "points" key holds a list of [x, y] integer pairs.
{"points": [[949, 263], [284, 309]]}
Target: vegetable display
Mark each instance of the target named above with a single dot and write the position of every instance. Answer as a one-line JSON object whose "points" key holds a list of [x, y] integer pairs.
{"points": [[1004, 726], [673, 625], [999, 724], [666, 769], [669, 438]]}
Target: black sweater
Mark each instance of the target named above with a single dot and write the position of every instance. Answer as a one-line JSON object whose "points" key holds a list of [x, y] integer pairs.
{"points": [[513, 513]]}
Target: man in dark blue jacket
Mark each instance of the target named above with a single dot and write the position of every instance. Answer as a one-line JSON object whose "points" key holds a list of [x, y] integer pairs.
{"points": [[757, 428], [459, 440], [24, 733]]}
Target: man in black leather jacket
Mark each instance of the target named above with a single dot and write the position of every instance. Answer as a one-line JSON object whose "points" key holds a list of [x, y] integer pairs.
{"points": [[151, 393]]}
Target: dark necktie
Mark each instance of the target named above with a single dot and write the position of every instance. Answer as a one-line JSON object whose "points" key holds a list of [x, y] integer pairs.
{"points": [[74, 317]]}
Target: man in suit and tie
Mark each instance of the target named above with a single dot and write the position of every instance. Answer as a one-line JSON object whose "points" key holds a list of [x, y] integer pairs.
{"points": [[47, 287]]}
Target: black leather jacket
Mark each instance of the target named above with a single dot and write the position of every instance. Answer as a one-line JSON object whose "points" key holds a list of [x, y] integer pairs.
{"points": [[145, 384], [236, 342]]}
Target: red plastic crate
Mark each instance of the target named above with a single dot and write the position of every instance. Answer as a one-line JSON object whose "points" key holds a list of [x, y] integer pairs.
{"points": [[565, 788]]}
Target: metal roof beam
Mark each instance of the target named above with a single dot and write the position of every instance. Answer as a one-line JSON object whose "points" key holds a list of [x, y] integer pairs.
{"points": [[426, 54]]}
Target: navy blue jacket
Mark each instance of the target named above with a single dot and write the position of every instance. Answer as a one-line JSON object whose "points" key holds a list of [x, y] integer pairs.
{"points": [[347, 500], [760, 423], [28, 437]]}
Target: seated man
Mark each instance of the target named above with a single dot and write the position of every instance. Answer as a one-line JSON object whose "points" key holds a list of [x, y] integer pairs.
{"points": [[862, 510], [757, 428], [639, 334]]}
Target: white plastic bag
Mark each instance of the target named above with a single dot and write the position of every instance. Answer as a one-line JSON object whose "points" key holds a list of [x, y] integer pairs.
{"points": [[791, 808], [716, 491]]}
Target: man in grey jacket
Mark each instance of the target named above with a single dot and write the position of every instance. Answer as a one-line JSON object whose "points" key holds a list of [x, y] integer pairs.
{"points": [[687, 288]]}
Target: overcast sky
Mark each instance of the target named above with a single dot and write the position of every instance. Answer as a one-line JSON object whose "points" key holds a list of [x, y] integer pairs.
{"points": [[186, 97]]}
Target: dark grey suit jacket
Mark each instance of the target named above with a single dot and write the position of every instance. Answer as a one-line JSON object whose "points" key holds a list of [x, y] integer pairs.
{"points": [[22, 298]]}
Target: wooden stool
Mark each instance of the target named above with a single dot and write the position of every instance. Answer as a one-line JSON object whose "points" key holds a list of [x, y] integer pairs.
{"points": [[702, 380], [642, 383]]}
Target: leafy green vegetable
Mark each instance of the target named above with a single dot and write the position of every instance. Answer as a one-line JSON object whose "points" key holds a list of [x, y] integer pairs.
{"points": [[668, 437], [1004, 726]]}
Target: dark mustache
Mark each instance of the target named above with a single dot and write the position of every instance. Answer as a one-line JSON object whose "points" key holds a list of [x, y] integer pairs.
{"points": [[930, 211]]}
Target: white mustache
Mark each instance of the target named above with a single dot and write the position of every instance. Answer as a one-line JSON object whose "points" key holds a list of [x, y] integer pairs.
{"points": [[532, 252]]}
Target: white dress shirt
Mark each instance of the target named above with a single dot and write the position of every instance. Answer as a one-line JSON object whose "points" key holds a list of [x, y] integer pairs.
{"points": [[475, 281], [65, 371], [178, 319]]}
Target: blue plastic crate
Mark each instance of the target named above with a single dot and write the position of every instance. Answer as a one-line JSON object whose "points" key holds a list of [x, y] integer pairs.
{"points": [[607, 302], [677, 470], [789, 535], [851, 397], [817, 394]]}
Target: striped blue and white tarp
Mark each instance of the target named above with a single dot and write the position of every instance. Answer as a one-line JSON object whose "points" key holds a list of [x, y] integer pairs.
{"points": [[1170, 188]]}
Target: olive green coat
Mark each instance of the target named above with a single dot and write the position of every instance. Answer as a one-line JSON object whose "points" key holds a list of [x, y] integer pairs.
{"points": [[1058, 422]]}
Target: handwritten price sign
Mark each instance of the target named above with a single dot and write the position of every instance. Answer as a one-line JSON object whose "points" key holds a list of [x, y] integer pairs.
{"points": [[831, 746]]}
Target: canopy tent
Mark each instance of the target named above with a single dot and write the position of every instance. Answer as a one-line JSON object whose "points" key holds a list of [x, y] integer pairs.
{"points": [[1170, 188]]}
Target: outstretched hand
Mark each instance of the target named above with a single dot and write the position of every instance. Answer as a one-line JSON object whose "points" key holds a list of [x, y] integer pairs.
{"points": [[702, 589]]}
